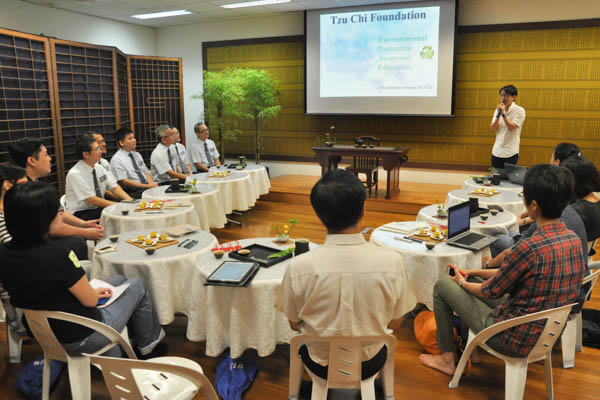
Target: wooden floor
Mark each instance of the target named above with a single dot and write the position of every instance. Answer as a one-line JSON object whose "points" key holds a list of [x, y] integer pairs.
{"points": [[412, 381]]}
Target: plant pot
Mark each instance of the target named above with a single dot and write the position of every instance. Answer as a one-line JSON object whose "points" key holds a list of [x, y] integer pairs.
{"points": [[487, 182], [496, 179], [442, 213], [282, 239], [329, 144]]}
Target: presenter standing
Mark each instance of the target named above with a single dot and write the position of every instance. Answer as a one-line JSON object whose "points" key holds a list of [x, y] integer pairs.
{"points": [[507, 122]]}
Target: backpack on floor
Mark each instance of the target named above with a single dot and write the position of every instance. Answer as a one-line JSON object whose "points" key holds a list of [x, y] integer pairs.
{"points": [[591, 328], [29, 381]]}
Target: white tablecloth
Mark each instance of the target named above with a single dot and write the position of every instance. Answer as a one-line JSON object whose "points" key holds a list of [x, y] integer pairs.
{"points": [[170, 274], [208, 204], [235, 190], [509, 201], [426, 267], [259, 178], [495, 224], [504, 185], [241, 318], [114, 222]]}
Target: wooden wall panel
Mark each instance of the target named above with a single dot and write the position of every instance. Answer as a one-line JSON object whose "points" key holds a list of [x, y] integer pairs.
{"points": [[26, 99], [156, 98], [557, 72]]}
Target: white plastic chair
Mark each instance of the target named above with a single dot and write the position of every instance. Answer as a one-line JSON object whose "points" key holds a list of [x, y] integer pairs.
{"points": [[172, 378], [79, 367], [344, 366], [516, 368], [572, 336]]}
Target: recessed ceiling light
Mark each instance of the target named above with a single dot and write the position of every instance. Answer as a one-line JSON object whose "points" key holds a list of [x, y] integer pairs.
{"points": [[255, 3], [162, 14]]}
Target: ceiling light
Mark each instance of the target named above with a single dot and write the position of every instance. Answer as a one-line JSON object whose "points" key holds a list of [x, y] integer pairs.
{"points": [[162, 14], [255, 3]]}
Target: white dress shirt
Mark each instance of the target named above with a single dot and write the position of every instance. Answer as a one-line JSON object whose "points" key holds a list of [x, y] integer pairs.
{"points": [[106, 165], [197, 154], [346, 287], [507, 141], [181, 157], [160, 165], [122, 167], [80, 185]]}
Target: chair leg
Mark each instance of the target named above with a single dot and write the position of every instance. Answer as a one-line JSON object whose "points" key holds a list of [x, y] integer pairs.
{"points": [[367, 388], [516, 376], [296, 369], [387, 378], [549, 386], [319, 387], [369, 182], [46, 379], [79, 378], [579, 324], [462, 363], [568, 343], [14, 345]]}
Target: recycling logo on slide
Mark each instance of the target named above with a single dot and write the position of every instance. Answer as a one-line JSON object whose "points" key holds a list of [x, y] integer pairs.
{"points": [[427, 53]]}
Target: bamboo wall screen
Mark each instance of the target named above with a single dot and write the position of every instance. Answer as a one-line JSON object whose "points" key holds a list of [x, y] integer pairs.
{"points": [[156, 98], [26, 103], [557, 72]]}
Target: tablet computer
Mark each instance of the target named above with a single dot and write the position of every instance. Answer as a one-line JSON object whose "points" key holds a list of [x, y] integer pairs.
{"points": [[232, 273]]}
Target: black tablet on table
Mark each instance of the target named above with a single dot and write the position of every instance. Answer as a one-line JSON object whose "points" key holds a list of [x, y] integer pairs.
{"points": [[233, 273]]}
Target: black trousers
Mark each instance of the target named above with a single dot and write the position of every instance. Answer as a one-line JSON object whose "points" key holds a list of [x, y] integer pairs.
{"points": [[498, 162], [136, 193], [367, 369], [87, 215]]}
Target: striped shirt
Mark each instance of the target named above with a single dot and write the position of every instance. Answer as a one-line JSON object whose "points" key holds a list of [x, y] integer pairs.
{"points": [[4, 235], [542, 272]]}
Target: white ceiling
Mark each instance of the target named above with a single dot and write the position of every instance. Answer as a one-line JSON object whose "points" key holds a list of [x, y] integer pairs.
{"points": [[203, 10]]}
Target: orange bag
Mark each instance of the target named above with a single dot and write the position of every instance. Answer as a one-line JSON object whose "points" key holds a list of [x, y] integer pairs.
{"points": [[425, 332]]}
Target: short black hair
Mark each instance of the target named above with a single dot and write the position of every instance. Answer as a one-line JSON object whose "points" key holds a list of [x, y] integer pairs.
{"points": [[338, 199], [508, 89], [564, 150], [84, 144], [29, 209], [11, 173], [550, 186], [20, 150], [585, 174], [123, 132]]}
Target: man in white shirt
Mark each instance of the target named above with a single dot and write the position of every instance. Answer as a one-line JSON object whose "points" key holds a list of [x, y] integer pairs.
{"points": [[88, 181], [128, 166], [163, 161], [32, 155], [105, 164], [348, 286], [204, 153], [183, 164], [507, 122]]}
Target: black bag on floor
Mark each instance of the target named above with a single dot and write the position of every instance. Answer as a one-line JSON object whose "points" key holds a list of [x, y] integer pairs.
{"points": [[591, 328]]}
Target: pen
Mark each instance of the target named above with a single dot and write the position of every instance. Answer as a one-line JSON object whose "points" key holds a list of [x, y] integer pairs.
{"points": [[413, 239], [181, 243], [402, 239]]}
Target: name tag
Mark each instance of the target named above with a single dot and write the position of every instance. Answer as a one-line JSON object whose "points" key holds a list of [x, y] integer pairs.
{"points": [[140, 163], [102, 179]]}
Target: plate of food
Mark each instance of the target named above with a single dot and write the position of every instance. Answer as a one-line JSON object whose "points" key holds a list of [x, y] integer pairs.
{"points": [[164, 239]]}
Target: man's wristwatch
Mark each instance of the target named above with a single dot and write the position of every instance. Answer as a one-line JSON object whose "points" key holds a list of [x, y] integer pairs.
{"points": [[503, 115]]}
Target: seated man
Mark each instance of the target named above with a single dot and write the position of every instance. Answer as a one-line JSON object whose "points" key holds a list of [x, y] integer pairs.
{"points": [[163, 161], [128, 166], [183, 164], [105, 164], [346, 287], [88, 181], [32, 155], [204, 153], [542, 272]]}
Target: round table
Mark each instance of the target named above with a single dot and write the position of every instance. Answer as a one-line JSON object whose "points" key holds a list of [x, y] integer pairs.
{"points": [[208, 204], [170, 274], [509, 201], [495, 224], [241, 318], [426, 267], [504, 185], [235, 190], [114, 222], [259, 178]]}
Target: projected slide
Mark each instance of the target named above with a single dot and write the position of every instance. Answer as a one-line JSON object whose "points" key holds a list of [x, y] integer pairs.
{"points": [[380, 53]]}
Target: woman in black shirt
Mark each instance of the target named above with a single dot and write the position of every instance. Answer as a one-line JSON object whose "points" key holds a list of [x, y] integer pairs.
{"points": [[43, 276]]}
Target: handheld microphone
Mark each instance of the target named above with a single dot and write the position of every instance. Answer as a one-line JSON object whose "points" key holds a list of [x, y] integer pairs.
{"points": [[498, 113]]}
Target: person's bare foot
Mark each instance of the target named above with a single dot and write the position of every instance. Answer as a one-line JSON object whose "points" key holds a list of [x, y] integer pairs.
{"points": [[475, 359], [438, 362]]}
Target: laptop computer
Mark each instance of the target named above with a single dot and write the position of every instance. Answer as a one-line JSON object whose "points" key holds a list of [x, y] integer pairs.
{"points": [[459, 234], [516, 173]]}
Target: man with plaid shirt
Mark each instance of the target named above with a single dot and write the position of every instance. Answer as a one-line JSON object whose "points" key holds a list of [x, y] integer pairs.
{"points": [[543, 271]]}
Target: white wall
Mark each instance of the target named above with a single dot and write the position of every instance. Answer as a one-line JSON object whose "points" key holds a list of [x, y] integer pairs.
{"points": [[31, 18]]}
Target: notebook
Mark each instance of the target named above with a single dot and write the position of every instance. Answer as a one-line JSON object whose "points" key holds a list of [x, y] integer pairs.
{"points": [[459, 233]]}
